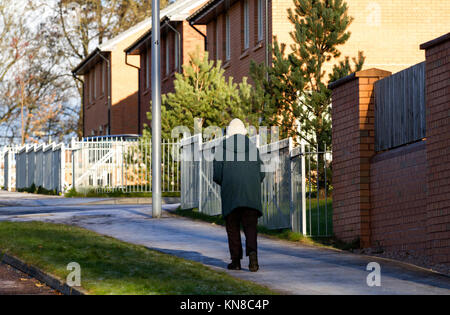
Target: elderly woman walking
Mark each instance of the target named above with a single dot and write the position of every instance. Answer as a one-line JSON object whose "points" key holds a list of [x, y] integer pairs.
{"points": [[237, 169]]}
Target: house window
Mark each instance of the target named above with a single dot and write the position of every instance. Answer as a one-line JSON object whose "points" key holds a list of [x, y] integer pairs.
{"points": [[245, 25], [103, 77], [87, 84], [260, 18], [175, 51], [217, 40], [167, 57], [227, 38], [94, 74], [90, 86], [147, 68]]}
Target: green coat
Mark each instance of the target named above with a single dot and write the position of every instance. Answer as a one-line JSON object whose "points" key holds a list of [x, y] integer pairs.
{"points": [[238, 173]]}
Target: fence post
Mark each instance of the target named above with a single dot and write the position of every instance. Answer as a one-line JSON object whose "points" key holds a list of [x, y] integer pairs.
{"points": [[73, 163], [8, 177], [294, 224], [62, 179], [303, 187], [199, 157]]}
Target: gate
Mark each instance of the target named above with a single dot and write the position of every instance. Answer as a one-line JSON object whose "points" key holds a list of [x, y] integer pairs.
{"points": [[190, 186], [111, 164]]}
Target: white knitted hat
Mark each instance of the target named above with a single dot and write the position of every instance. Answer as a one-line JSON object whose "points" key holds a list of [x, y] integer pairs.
{"points": [[236, 126]]}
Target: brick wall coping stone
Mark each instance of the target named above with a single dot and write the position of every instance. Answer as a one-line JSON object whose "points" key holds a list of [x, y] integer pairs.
{"points": [[435, 41], [373, 72]]}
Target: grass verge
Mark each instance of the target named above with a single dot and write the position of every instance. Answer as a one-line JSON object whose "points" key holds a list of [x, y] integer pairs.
{"points": [[110, 266]]}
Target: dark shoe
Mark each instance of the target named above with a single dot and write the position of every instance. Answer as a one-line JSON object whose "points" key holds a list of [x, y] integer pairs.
{"points": [[253, 265], [235, 265]]}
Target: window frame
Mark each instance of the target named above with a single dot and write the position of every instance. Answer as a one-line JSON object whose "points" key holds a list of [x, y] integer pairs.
{"points": [[260, 20], [91, 94], [103, 77], [227, 37], [147, 69], [245, 25], [175, 52], [217, 35], [167, 57], [94, 83]]}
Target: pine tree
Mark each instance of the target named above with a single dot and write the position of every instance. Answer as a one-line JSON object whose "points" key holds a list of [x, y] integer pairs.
{"points": [[295, 86], [203, 92]]}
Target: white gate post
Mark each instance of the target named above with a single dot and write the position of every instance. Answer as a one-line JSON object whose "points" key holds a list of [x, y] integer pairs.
{"points": [[303, 181], [62, 180], [291, 188], [199, 157], [73, 163]]}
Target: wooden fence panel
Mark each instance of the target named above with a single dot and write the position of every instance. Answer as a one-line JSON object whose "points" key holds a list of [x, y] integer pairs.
{"points": [[400, 108]]}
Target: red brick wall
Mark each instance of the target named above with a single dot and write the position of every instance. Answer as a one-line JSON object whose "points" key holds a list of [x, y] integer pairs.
{"points": [[345, 138], [353, 146], [398, 197], [438, 148]]}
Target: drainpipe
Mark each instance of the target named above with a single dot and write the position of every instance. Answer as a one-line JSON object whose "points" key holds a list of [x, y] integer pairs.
{"points": [[200, 32], [109, 89], [82, 101], [139, 92], [267, 37], [179, 43]]}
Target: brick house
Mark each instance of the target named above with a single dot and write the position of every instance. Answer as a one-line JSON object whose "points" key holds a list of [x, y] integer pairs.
{"points": [[110, 87], [389, 32], [116, 83], [178, 39]]}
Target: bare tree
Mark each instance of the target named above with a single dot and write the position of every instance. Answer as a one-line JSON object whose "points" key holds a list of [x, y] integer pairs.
{"points": [[78, 26], [41, 41]]}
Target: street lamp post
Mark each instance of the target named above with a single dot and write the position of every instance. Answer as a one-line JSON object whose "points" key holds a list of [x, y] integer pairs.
{"points": [[156, 111]]}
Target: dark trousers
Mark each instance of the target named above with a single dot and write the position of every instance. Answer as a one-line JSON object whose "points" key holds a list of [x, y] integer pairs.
{"points": [[249, 219]]}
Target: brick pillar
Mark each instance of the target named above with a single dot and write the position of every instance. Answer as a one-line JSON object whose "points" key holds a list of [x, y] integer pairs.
{"points": [[353, 145], [437, 99]]}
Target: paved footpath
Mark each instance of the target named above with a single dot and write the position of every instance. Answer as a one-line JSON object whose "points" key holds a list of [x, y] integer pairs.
{"points": [[286, 267]]}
